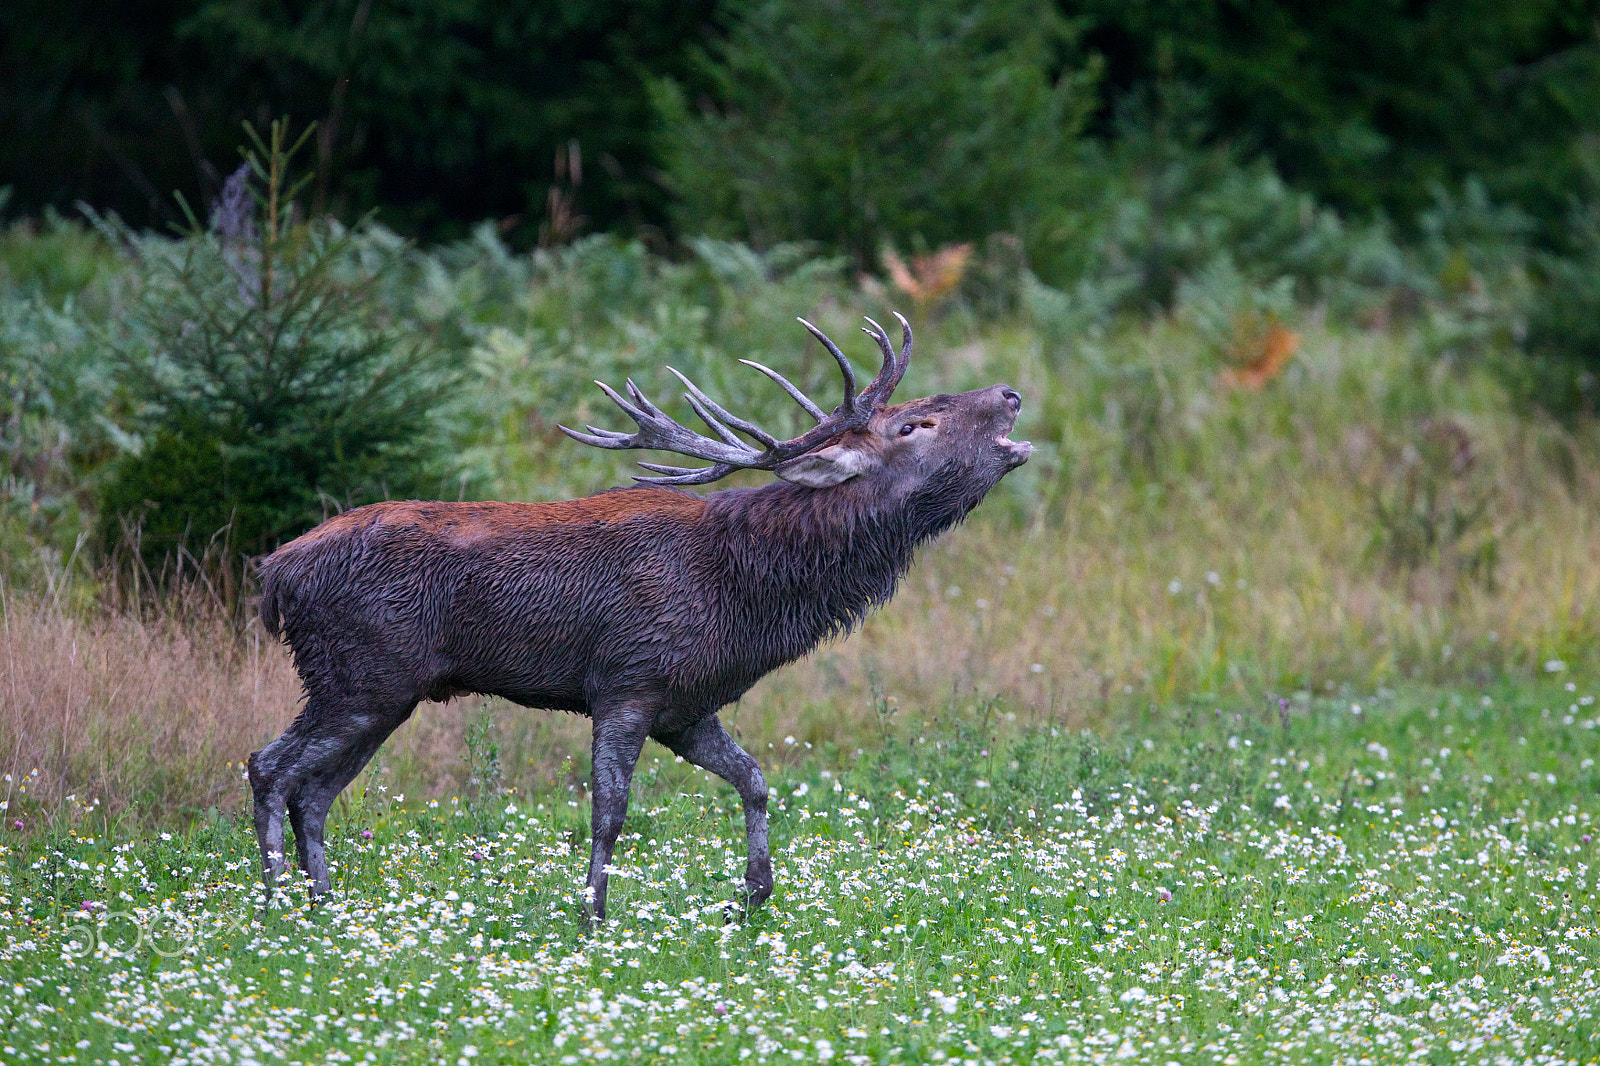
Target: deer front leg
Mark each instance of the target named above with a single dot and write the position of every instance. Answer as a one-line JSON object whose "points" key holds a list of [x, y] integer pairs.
{"points": [[708, 746], [618, 738]]}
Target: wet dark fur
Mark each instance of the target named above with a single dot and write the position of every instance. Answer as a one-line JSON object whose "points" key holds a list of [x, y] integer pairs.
{"points": [[646, 609]]}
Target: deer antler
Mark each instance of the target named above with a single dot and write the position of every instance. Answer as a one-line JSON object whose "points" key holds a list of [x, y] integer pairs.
{"points": [[658, 432]]}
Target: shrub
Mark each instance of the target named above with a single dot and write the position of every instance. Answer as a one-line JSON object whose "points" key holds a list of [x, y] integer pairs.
{"points": [[859, 123], [1433, 506], [1170, 209], [55, 259], [266, 383], [1563, 371], [54, 388]]}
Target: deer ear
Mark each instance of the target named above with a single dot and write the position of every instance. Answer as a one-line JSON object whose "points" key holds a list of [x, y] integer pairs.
{"points": [[824, 468]]}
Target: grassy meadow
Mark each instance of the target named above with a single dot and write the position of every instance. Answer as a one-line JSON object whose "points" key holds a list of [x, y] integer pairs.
{"points": [[1252, 720], [1403, 878]]}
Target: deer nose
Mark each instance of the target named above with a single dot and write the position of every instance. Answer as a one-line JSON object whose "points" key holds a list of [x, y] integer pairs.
{"points": [[1013, 398]]}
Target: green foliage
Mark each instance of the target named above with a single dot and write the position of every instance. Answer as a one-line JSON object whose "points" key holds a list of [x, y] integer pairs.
{"points": [[1170, 210], [1563, 373], [1369, 104], [54, 386], [442, 112], [268, 384], [54, 258], [485, 778], [857, 124], [607, 309], [1432, 504], [1219, 251], [439, 112], [485, 787]]}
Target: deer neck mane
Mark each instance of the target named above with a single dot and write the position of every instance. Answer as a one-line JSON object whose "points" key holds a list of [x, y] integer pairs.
{"points": [[822, 558]]}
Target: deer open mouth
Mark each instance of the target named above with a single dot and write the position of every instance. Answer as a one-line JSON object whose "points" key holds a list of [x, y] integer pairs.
{"points": [[1020, 451]]}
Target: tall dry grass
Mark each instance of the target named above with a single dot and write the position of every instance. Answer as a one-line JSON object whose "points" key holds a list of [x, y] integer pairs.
{"points": [[151, 715], [132, 711]]}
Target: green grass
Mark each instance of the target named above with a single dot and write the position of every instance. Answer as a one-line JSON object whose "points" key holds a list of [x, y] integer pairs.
{"points": [[1412, 881]]}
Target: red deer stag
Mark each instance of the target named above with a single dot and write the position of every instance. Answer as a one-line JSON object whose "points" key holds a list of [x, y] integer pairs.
{"points": [[646, 609]]}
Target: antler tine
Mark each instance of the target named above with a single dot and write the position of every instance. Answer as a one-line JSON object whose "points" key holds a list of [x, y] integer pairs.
{"points": [[639, 414], [849, 404], [696, 398], [905, 345], [658, 432], [662, 468], [706, 416], [598, 438], [794, 394], [711, 420], [881, 336], [894, 367], [638, 397], [684, 475]]}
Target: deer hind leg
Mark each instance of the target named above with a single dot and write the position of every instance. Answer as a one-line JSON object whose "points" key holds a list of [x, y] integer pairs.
{"points": [[708, 746], [618, 738], [271, 772], [329, 761]]}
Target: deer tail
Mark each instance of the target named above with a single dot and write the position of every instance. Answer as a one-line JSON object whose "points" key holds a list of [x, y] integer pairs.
{"points": [[271, 591]]}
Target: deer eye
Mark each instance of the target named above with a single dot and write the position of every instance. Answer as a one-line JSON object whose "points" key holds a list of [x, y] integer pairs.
{"points": [[908, 429]]}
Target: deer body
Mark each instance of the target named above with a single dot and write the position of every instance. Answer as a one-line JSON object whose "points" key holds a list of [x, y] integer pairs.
{"points": [[645, 609]]}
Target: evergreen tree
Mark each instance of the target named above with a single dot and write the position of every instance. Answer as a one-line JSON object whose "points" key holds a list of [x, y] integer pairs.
{"points": [[266, 385], [855, 122]]}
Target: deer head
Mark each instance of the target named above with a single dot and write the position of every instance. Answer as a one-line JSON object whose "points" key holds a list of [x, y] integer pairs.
{"points": [[883, 449]]}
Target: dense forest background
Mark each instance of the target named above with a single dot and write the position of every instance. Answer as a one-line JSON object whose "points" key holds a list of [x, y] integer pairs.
{"points": [[203, 353], [440, 113]]}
